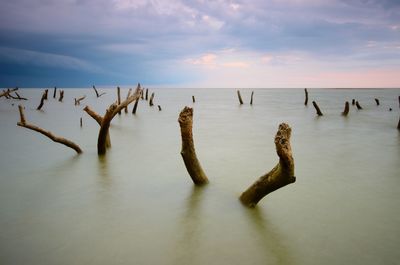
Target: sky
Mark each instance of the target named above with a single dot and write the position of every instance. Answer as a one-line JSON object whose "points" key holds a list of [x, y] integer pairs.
{"points": [[199, 43]]}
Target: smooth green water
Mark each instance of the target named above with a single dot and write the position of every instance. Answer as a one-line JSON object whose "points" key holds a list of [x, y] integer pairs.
{"points": [[138, 205]]}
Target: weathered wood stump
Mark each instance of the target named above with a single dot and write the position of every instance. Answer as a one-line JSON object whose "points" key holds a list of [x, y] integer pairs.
{"points": [[346, 109], [147, 93], [281, 175], [61, 96], [159, 107], [306, 96], [46, 92], [56, 139], [44, 95], [251, 99], [358, 105], [55, 92], [78, 100], [319, 113], [193, 99], [98, 119], [188, 151], [377, 101], [240, 98], [81, 122], [112, 110], [127, 96], [136, 105], [119, 98], [353, 102], [151, 99]]}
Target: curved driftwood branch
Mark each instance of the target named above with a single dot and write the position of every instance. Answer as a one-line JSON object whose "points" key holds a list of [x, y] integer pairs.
{"points": [[240, 97], [78, 100], [56, 139], [306, 95], [5, 93], [112, 110], [319, 113], [281, 175], [188, 151], [346, 109], [97, 93]]}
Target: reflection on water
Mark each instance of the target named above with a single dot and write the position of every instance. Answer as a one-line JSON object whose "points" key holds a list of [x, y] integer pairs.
{"points": [[137, 204]]}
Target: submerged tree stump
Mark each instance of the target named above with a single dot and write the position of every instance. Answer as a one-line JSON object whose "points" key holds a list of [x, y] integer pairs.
{"points": [[306, 96], [151, 99], [319, 113], [56, 139], [251, 100], [98, 119], [159, 107], [353, 102], [377, 101], [240, 98], [346, 109], [78, 100], [188, 151], [44, 95], [358, 105], [193, 99], [147, 93], [127, 96], [281, 175], [136, 104], [112, 110], [55, 92], [61, 96], [119, 98]]}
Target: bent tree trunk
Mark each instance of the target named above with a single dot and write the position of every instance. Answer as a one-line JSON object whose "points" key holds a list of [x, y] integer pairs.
{"points": [[56, 139], [188, 151], [99, 119], [112, 110], [281, 175]]}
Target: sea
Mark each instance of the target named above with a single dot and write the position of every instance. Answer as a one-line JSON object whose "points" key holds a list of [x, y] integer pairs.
{"points": [[138, 205]]}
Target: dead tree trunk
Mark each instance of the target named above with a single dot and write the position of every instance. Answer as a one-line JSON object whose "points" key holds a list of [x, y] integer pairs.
{"points": [[19, 97], [251, 100], [188, 151], [353, 102], [42, 100], [281, 175], [81, 122], [56, 139], [99, 119], [54, 92], [127, 96], [46, 93], [358, 105], [61, 95], [136, 104], [142, 95], [106, 121], [159, 107], [193, 99], [319, 113], [151, 99], [147, 93], [398, 124], [377, 101], [119, 98], [346, 109], [306, 95], [240, 97]]}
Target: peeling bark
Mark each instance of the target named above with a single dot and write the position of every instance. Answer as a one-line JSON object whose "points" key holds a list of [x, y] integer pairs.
{"points": [[188, 151], [281, 175], [56, 139]]}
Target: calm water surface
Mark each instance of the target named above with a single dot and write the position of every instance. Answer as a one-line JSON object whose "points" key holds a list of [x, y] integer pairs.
{"points": [[138, 205]]}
